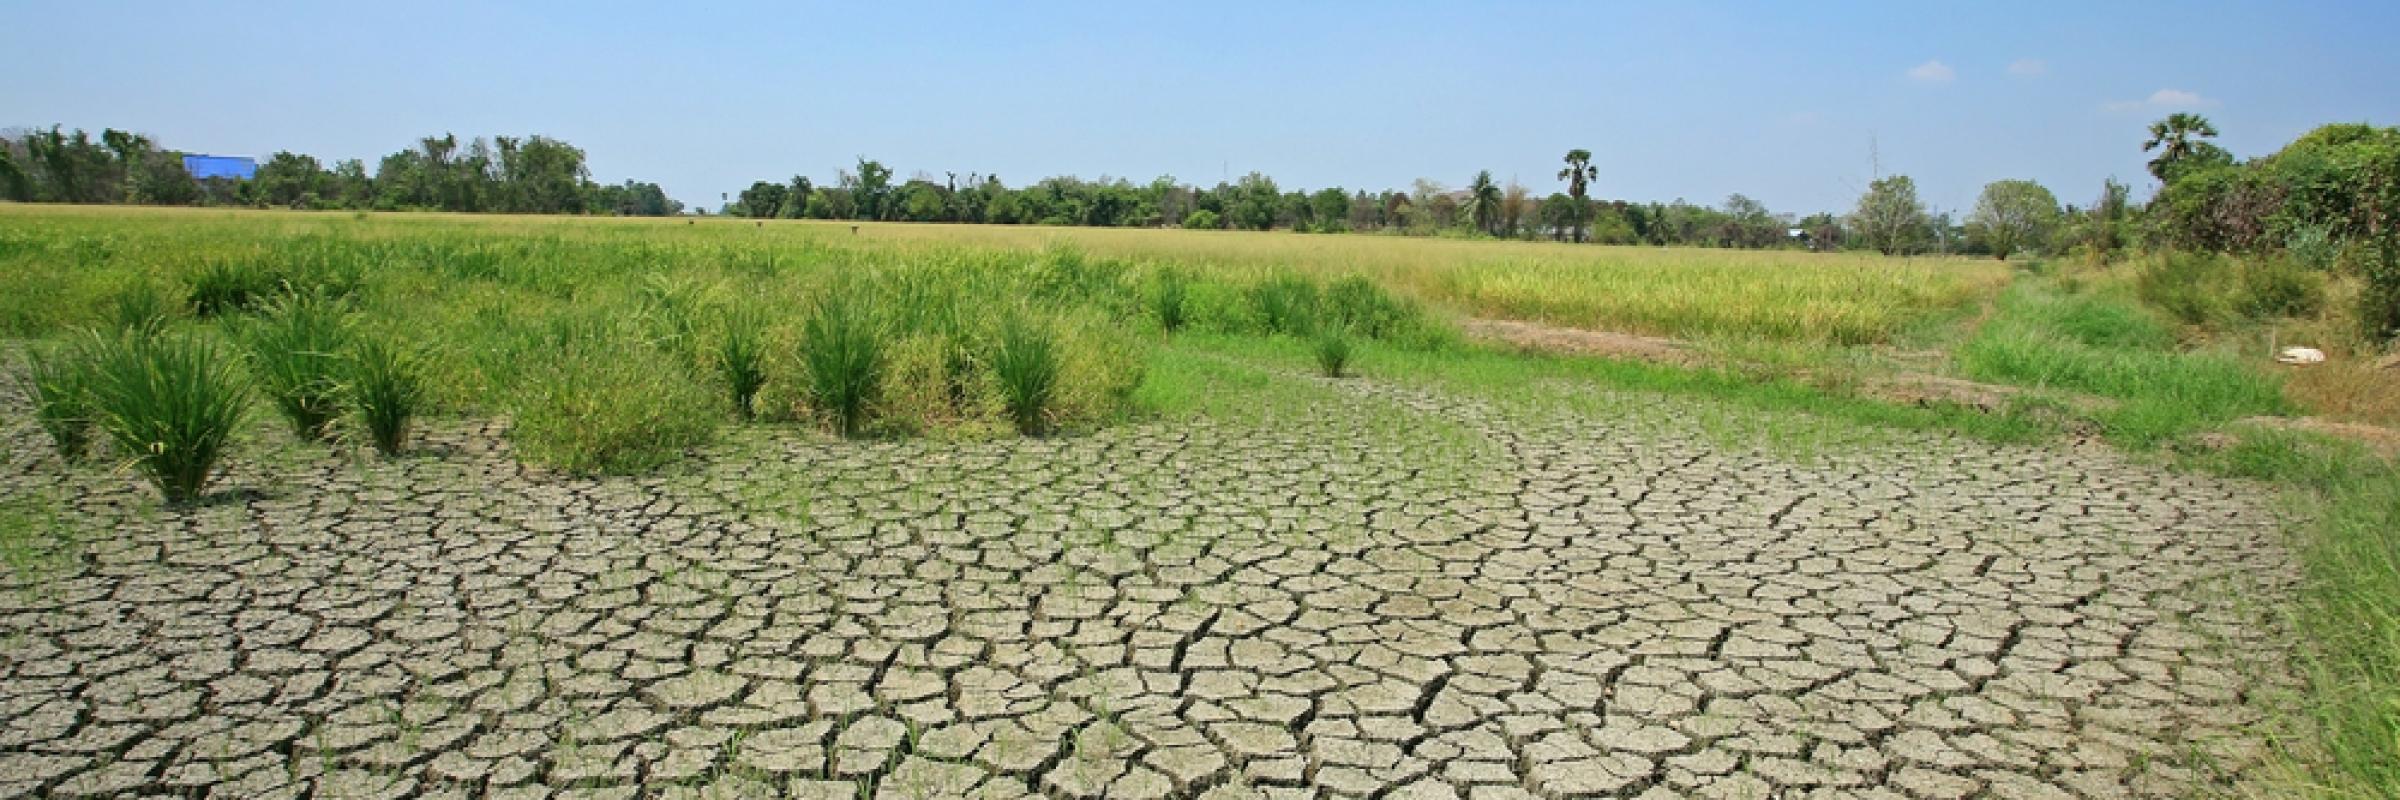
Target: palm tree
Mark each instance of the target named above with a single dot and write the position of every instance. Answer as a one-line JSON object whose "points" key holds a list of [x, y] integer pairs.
{"points": [[1483, 203], [1579, 175], [2176, 138]]}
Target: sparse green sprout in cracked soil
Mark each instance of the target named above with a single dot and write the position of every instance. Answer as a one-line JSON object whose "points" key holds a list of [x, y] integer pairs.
{"points": [[59, 382]]}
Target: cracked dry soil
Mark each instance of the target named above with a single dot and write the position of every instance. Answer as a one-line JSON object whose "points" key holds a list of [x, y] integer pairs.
{"points": [[1342, 605]]}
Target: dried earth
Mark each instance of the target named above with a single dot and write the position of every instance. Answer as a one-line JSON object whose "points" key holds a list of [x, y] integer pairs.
{"points": [[1392, 593]]}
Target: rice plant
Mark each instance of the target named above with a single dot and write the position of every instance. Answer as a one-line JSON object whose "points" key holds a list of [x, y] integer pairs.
{"points": [[742, 359], [1026, 360], [1286, 304], [170, 403], [1333, 350], [843, 352], [295, 350], [1167, 301], [225, 286], [610, 407], [139, 308], [57, 379], [386, 391]]}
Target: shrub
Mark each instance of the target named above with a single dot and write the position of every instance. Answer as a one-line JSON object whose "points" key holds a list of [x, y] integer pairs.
{"points": [[1332, 350], [1026, 360], [742, 359], [1286, 304], [1167, 300], [2279, 287], [1202, 220], [843, 354], [225, 287], [171, 403], [386, 390], [612, 407], [2186, 285], [2379, 302], [61, 405], [295, 351]]}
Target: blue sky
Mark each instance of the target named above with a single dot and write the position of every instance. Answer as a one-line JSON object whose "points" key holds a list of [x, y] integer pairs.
{"points": [[1689, 100]]}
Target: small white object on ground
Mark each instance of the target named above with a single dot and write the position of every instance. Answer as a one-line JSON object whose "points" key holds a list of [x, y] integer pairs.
{"points": [[2301, 355]]}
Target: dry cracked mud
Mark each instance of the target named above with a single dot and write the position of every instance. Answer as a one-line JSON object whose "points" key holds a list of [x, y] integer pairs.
{"points": [[1392, 593]]}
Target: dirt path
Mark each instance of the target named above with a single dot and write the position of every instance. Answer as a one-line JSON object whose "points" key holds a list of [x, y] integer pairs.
{"points": [[1404, 595]]}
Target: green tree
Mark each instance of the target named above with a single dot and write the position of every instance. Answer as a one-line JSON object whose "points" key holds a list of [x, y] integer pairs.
{"points": [[764, 200], [1579, 175], [2179, 138], [288, 179], [2011, 215], [871, 190], [1483, 203], [1889, 216]]}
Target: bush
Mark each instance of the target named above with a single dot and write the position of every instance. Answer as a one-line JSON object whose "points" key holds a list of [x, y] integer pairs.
{"points": [[1026, 360], [2279, 287], [226, 287], [742, 359], [1332, 350], [843, 354], [2379, 302], [610, 408], [171, 403], [2185, 284], [61, 405], [386, 390], [1202, 220], [295, 351]]}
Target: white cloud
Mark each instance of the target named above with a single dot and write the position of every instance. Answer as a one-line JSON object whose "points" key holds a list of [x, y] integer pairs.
{"points": [[1932, 72], [2028, 67], [2165, 100]]}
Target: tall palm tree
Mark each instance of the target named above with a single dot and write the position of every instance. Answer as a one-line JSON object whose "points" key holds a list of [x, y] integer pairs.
{"points": [[2176, 138], [1483, 203], [1579, 175]]}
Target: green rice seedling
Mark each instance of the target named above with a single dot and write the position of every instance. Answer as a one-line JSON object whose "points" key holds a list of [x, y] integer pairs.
{"points": [[170, 403], [1025, 358], [1333, 350], [62, 406], [1167, 300], [386, 390], [742, 358], [843, 353], [295, 351], [224, 286]]}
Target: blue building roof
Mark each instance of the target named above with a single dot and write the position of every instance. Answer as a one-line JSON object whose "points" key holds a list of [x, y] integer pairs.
{"points": [[240, 168]]}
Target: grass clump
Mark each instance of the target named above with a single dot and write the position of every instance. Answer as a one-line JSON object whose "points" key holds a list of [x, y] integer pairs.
{"points": [[1168, 300], [610, 407], [171, 403], [742, 359], [1025, 359], [842, 351], [226, 286], [62, 407], [1332, 348], [295, 349], [1286, 304], [386, 391]]}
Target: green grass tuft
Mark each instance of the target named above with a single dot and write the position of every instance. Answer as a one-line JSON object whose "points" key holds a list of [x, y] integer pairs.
{"points": [[842, 351], [610, 407], [1026, 360], [295, 348], [58, 382], [169, 402], [386, 391], [1332, 349], [742, 359]]}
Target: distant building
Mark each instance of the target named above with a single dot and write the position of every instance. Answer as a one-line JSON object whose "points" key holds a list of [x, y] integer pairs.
{"points": [[240, 168]]}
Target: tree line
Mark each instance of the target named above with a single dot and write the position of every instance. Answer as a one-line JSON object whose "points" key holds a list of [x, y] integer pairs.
{"points": [[533, 175]]}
